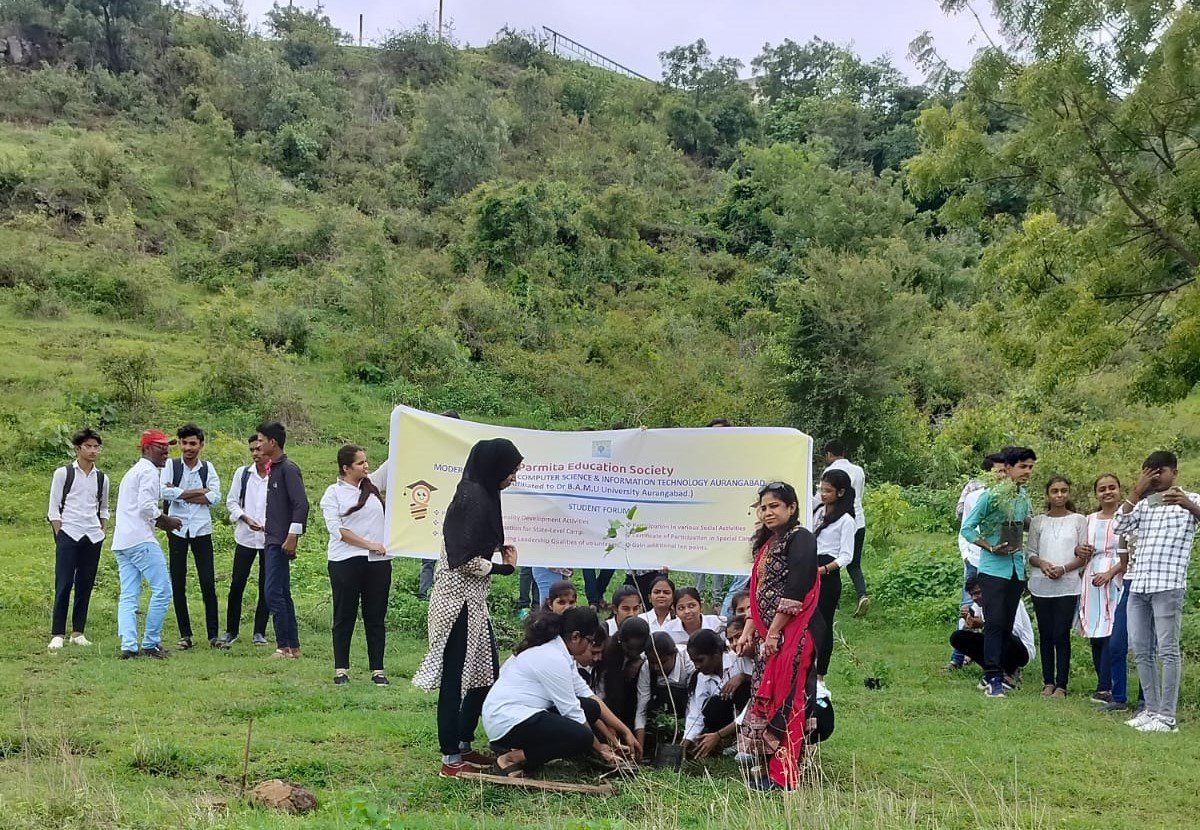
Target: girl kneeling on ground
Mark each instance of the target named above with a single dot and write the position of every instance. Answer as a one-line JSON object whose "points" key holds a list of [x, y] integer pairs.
{"points": [[539, 708]]}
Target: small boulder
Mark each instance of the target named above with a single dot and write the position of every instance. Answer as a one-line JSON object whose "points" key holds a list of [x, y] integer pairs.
{"points": [[277, 794]]}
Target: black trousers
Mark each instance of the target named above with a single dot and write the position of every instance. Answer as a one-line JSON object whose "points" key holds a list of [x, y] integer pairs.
{"points": [[358, 581], [75, 564], [1055, 615], [719, 712], [970, 643], [457, 713], [827, 603], [243, 562], [855, 566], [546, 736], [1000, 599], [202, 552]]}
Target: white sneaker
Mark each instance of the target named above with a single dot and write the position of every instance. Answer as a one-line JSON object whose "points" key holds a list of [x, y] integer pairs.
{"points": [[1140, 719], [1157, 723], [56, 642], [80, 640]]}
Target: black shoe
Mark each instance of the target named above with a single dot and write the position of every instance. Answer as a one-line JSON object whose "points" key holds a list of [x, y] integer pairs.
{"points": [[229, 639], [218, 642], [128, 655], [157, 652], [185, 643], [380, 680], [341, 679]]}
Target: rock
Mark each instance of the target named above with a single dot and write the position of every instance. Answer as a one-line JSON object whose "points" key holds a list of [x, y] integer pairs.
{"points": [[278, 794], [15, 53]]}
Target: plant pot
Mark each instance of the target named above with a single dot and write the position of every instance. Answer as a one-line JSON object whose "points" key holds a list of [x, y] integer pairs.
{"points": [[669, 756]]}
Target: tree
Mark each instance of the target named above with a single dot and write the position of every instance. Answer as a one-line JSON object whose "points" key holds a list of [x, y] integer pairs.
{"points": [[1089, 113], [418, 55], [459, 139], [306, 37], [692, 68]]}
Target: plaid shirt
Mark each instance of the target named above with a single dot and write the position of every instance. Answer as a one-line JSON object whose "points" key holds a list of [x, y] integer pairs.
{"points": [[1164, 545]]}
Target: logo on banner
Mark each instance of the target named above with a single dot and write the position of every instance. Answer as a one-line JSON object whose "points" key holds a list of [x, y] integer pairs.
{"points": [[419, 494], [602, 449]]}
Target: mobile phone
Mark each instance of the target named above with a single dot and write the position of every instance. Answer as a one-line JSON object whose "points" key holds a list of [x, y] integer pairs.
{"points": [[1155, 499]]}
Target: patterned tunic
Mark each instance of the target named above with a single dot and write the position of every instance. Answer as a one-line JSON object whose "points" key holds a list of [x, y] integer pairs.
{"points": [[1097, 605], [453, 590]]}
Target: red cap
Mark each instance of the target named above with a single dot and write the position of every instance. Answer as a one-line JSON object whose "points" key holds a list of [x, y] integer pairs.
{"points": [[155, 436]]}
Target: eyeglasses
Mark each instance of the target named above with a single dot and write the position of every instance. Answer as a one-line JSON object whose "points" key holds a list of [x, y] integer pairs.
{"points": [[776, 485]]}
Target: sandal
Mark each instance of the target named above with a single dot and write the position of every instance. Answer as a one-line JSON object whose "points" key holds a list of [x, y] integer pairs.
{"points": [[1048, 690], [513, 770]]}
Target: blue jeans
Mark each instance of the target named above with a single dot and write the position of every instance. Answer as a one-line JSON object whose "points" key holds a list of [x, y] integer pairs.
{"points": [[544, 578], [740, 583], [1154, 620], [969, 572], [595, 584], [279, 597], [1118, 653], [144, 561]]}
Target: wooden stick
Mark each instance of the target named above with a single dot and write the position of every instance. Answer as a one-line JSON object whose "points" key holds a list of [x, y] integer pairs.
{"points": [[535, 784], [246, 757]]}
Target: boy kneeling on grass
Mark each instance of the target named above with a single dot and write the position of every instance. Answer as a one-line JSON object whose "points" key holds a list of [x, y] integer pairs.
{"points": [[720, 689]]}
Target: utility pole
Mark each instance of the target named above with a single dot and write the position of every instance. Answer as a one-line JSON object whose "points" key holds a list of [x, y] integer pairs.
{"points": [[440, 2], [360, 29]]}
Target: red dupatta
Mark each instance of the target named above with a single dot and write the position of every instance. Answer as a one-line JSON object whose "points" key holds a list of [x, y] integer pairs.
{"points": [[775, 720]]}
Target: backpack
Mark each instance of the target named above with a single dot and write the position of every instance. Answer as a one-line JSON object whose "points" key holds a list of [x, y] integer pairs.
{"points": [[177, 476], [245, 479], [69, 481]]}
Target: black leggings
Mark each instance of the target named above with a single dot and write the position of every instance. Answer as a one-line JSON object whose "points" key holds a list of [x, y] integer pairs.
{"points": [[458, 714], [1055, 615], [546, 736], [827, 603], [356, 580]]}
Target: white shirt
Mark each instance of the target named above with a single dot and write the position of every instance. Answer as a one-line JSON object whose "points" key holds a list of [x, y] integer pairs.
{"points": [[1053, 540], [970, 553], [196, 518], [80, 514], [674, 627], [858, 480], [255, 507], [707, 685], [138, 496], [340, 497], [379, 477], [651, 618], [1022, 626], [531, 682], [837, 540]]}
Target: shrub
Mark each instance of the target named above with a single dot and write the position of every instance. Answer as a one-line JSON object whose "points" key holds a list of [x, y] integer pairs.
{"points": [[923, 584], [459, 140], [129, 375], [888, 512], [36, 303], [418, 55]]}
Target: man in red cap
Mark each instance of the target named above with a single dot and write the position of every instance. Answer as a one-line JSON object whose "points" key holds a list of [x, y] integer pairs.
{"points": [[137, 550]]}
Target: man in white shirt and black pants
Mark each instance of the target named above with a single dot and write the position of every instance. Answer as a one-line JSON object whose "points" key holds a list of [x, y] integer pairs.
{"points": [[247, 505], [78, 513], [190, 487], [835, 459]]}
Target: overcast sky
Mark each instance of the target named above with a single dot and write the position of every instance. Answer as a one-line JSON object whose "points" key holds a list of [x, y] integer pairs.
{"points": [[633, 32]]}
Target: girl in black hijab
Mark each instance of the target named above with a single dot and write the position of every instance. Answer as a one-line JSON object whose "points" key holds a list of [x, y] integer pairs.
{"points": [[462, 661]]}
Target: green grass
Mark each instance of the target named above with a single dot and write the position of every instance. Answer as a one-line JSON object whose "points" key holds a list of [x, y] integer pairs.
{"points": [[90, 741]]}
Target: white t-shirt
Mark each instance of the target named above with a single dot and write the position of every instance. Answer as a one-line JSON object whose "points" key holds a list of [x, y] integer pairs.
{"points": [[531, 682], [1053, 539], [138, 498], [970, 553], [367, 522], [837, 540], [858, 480], [651, 618]]}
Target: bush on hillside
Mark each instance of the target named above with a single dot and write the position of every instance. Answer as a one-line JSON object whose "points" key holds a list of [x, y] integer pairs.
{"points": [[924, 584], [36, 303], [419, 56]]}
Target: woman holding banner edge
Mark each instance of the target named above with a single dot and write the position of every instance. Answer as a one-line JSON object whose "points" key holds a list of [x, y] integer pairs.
{"points": [[463, 662], [784, 587]]}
